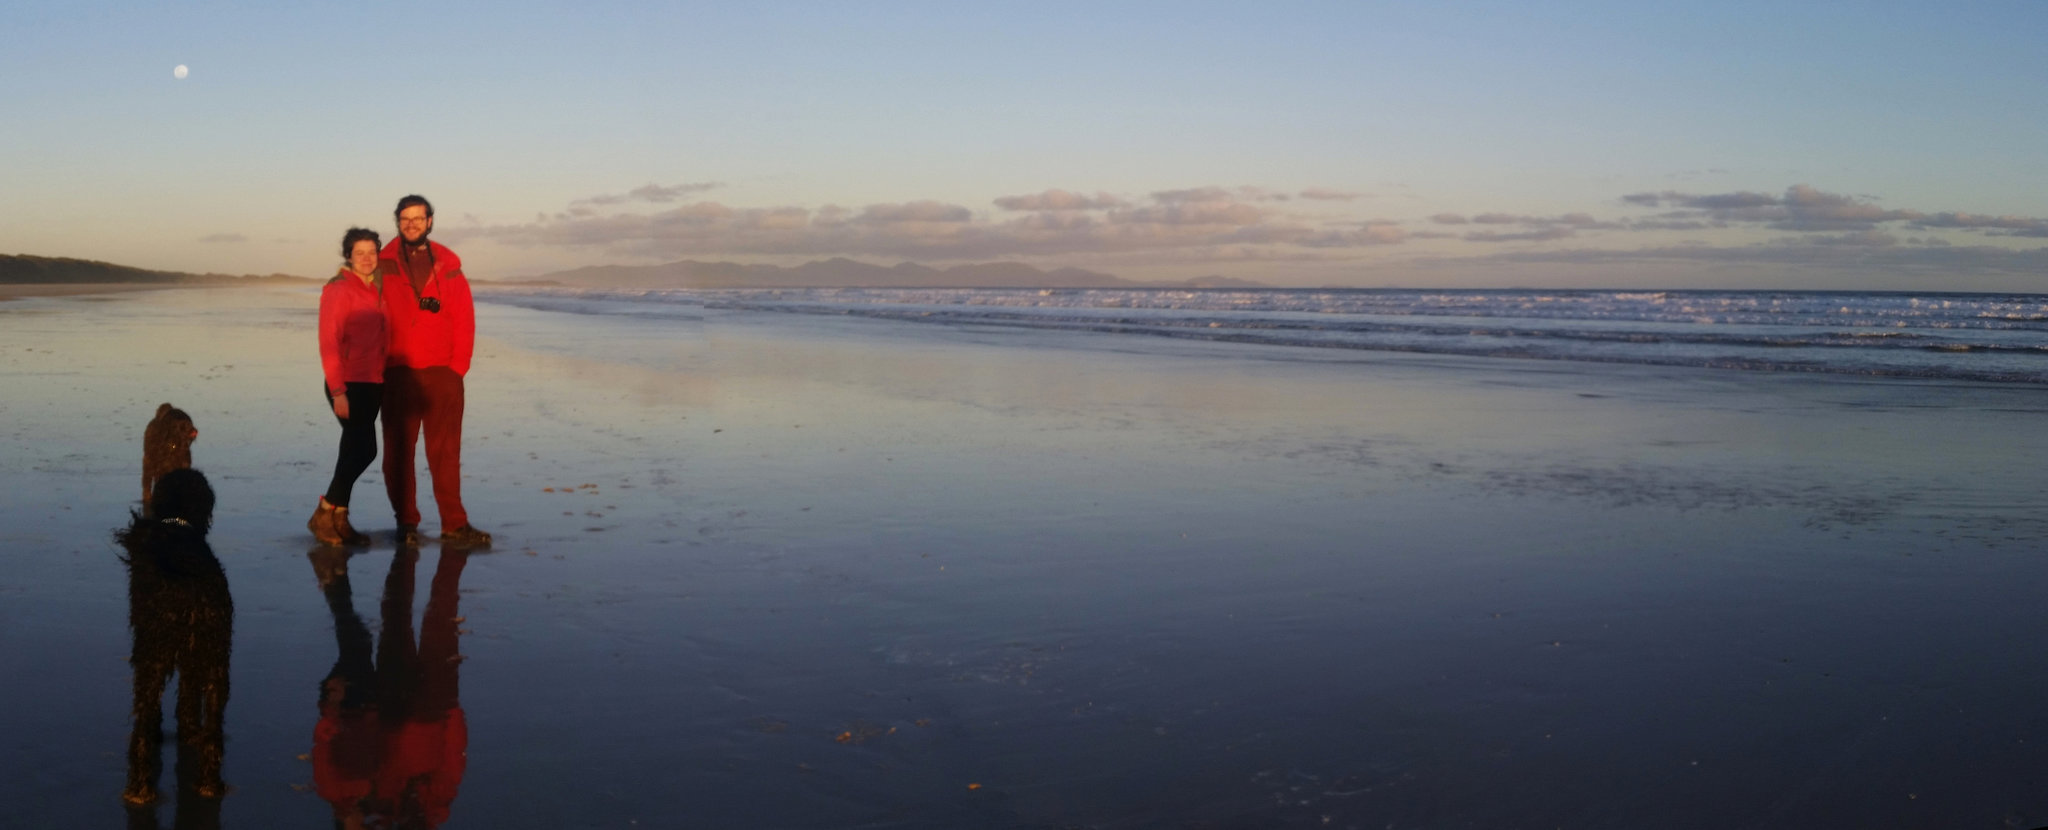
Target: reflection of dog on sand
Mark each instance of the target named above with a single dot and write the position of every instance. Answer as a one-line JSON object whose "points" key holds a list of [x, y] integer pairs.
{"points": [[166, 446], [183, 620]]}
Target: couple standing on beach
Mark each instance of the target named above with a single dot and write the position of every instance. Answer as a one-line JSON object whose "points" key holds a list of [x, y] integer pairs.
{"points": [[397, 328]]}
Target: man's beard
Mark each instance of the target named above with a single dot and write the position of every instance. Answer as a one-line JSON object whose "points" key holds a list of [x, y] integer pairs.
{"points": [[422, 239]]}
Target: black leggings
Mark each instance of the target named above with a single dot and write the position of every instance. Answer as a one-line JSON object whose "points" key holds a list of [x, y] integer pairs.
{"points": [[358, 438]]}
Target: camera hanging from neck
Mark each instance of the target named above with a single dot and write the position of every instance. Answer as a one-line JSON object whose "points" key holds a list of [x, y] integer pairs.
{"points": [[430, 305]]}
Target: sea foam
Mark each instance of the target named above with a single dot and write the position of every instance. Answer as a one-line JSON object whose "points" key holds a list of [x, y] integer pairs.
{"points": [[1983, 337]]}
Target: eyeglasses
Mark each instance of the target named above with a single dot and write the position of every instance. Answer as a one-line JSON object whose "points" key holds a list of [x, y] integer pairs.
{"points": [[415, 220]]}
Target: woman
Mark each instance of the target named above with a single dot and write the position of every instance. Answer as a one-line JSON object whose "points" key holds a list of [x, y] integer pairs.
{"points": [[353, 334]]}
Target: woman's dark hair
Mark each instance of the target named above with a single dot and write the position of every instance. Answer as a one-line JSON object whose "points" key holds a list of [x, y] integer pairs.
{"points": [[355, 235], [409, 201]]}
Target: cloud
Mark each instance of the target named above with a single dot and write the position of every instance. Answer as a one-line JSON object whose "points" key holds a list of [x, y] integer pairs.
{"points": [[925, 211], [1802, 208], [1992, 225], [775, 219], [1190, 213], [654, 193], [1717, 201], [1540, 235], [1730, 201], [1975, 220], [1322, 194], [224, 238], [1937, 261], [1541, 227], [1369, 234], [1380, 234], [1187, 225], [1859, 239], [1808, 209], [657, 193], [1193, 194], [1060, 200], [1670, 225], [1218, 194], [1168, 224]]}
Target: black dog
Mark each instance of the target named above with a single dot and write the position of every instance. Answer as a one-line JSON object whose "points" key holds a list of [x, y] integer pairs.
{"points": [[184, 620]]}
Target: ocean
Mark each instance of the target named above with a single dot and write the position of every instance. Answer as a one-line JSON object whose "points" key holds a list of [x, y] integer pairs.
{"points": [[1999, 338]]}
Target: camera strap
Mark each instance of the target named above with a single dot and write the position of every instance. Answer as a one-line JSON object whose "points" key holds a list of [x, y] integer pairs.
{"points": [[405, 268]]}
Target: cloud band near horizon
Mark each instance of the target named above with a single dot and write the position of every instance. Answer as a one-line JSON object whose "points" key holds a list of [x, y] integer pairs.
{"points": [[1254, 223]]}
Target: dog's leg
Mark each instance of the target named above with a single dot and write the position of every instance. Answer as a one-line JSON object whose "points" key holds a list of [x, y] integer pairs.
{"points": [[146, 742], [205, 734], [197, 809]]}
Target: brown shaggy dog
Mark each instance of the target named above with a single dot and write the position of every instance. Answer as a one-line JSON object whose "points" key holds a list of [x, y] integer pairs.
{"points": [[166, 446]]}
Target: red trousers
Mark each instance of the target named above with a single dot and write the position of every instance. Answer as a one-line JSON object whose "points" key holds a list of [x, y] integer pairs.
{"points": [[428, 400]]}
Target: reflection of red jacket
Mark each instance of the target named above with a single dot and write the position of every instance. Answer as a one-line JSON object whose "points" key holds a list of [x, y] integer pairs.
{"points": [[420, 339], [353, 332], [359, 756]]}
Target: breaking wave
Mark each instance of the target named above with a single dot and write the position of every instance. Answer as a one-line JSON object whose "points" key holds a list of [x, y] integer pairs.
{"points": [[1982, 337]]}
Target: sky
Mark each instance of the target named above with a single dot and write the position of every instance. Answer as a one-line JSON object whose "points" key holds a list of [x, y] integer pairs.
{"points": [[1622, 145]]}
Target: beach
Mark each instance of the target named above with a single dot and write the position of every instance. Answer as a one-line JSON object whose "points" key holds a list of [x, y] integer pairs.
{"points": [[798, 570]]}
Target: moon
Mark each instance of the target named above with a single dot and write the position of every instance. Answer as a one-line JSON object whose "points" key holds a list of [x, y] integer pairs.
{"points": [[180, 72]]}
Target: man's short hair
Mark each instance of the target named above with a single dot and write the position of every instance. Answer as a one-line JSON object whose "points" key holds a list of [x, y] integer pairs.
{"points": [[355, 235], [409, 201]]}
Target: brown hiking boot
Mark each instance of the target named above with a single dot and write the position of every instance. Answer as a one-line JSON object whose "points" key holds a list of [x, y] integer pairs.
{"points": [[408, 535], [465, 536], [322, 523], [349, 535]]}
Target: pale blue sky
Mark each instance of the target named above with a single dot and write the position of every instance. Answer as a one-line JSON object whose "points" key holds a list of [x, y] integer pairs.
{"points": [[887, 131]]}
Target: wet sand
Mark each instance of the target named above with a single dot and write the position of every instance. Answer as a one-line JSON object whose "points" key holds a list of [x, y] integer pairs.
{"points": [[784, 571]]}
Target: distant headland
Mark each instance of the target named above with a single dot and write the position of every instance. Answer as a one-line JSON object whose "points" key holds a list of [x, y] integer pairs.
{"points": [[23, 269]]}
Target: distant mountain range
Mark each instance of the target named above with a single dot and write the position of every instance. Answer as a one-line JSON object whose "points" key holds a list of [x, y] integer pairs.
{"points": [[25, 269], [840, 272]]}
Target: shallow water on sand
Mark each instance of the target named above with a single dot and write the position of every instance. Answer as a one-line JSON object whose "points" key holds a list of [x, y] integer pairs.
{"points": [[755, 570]]}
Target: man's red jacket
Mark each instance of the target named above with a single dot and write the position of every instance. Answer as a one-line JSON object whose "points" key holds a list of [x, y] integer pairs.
{"points": [[420, 339]]}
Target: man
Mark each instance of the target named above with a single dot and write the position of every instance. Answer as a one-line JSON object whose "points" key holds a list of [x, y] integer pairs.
{"points": [[433, 333]]}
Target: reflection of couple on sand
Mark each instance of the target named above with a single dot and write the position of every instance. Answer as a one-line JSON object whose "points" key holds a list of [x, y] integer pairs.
{"points": [[397, 329], [392, 741]]}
